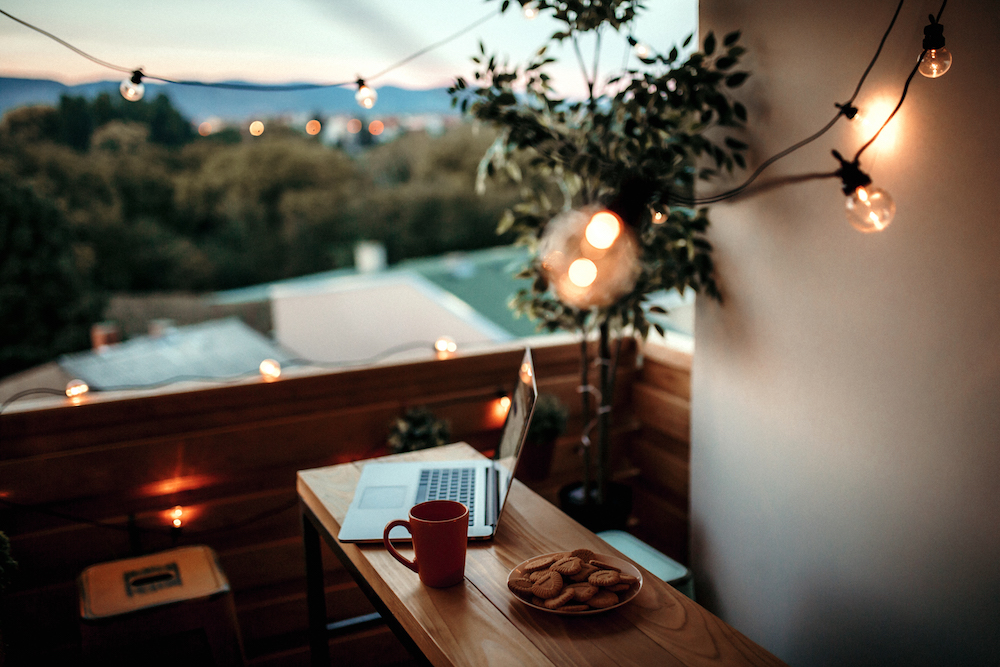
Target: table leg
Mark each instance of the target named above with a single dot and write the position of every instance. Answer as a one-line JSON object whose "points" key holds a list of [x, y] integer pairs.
{"points": [[319, 647]]}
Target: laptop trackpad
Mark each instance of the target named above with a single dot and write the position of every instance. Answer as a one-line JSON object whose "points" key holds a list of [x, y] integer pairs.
{"points": [[383, 497]]}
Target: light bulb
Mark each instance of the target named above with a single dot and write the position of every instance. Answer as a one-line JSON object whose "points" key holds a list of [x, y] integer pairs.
{"points": [[530, 11], [132, 88], [658, 217], [256, 128], [313, 127], [270, 370], [582, 272], [176, 515], [365, 96], [445, 346], [76, 388], [870, 209], [642, 50], [935, 62], [602, 230]]}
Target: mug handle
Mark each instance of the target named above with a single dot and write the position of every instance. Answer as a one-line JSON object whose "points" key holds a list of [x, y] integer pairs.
{"points": [[412, 564]]}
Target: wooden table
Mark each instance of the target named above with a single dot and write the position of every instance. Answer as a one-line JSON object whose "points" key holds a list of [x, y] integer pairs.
{"points": [[480, 622]]}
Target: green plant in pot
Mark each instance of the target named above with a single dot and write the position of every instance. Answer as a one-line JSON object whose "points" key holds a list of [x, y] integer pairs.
{"points": [[418, 428], [548, 422], [603, 181]]}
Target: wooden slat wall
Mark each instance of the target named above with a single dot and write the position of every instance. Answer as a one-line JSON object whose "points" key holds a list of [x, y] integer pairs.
{"points": [[228, 454], [661, 451]]}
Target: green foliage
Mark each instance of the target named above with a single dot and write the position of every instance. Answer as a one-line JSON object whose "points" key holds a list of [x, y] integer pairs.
{"points": [[45, 295], [637, 149], [7, 564], [549, 419], [418, 428]]}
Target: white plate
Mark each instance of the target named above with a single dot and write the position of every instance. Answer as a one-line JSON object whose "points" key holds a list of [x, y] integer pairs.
{"points": [[623, 565]]}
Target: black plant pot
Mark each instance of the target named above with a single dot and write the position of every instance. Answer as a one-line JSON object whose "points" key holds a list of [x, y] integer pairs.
{"points": [[611, 515]]}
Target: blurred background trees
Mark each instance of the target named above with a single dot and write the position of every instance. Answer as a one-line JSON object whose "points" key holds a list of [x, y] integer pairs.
{"points": [[117, 196]]}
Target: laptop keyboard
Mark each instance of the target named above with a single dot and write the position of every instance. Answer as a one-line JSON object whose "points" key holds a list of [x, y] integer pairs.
{"points": [[448, 484]]}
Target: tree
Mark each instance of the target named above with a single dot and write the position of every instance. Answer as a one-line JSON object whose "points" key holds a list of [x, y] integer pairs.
{"points": [[46, 300], [623, 161]]}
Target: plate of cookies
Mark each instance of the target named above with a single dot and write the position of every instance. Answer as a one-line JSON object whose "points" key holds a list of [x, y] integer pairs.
{"points": [[575, 582]]}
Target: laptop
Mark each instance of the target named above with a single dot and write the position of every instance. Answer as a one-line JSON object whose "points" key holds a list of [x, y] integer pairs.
{"points": [[387, 491]]}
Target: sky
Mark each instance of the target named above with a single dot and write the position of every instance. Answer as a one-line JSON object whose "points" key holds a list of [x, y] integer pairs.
{"points": [[316, 41]]}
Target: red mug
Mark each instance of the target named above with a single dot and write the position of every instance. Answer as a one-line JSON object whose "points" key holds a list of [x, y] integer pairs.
{"points": [[440, 531]]}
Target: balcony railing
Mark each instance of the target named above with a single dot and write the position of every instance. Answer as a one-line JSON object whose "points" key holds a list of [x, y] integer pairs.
{"points": [[88, 483]]}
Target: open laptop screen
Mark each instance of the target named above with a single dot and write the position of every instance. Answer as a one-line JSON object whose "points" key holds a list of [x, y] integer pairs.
{"points": [[522, 404]]}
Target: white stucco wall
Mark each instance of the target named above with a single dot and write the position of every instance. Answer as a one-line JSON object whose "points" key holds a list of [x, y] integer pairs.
{"points": [[846, 397]]}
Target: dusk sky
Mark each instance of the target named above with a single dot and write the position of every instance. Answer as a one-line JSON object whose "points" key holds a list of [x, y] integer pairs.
{"points": [[297, 40]]}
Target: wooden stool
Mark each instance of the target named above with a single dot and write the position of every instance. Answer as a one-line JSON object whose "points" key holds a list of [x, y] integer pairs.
{"points": [[171, 607]]}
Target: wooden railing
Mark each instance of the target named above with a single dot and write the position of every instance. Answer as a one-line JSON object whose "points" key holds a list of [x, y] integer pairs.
{"points": [[83, 484]]}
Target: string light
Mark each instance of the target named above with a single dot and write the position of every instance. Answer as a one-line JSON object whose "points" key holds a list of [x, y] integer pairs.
{"points": [[270, 370], [868, 209], [935, 60], [176, 517], [313, 127], [354, 126], [365, 96], [132, 88], [205, 129], [376, 127], [530, 11], [75, 390], [658, 217], [256, 128], [445, 346], [642, 50], [602, 230], [582, 272]]}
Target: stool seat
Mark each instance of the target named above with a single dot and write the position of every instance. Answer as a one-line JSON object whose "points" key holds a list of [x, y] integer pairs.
{"points": [[155, 601]]}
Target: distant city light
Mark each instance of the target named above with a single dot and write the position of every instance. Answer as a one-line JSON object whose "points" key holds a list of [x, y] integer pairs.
{"points": [[313, 127], [354, 126], [376, 127], [256, 128], [205, 129]]}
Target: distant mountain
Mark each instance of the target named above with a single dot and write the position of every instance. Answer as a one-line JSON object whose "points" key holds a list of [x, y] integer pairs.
{"points": [[199, 103]]}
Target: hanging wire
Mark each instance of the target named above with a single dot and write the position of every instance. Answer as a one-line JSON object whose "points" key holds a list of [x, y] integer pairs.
{"points": [[844, 109], [250, 86]]}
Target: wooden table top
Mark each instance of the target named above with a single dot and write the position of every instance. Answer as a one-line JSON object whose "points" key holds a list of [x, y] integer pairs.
{"points": [[481, 623]]}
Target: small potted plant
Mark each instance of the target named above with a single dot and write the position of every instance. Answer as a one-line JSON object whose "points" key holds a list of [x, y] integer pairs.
{"points": [[547, 424], [418, 428]]}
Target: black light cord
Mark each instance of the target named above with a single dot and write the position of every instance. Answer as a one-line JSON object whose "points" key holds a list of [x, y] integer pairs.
{"points": [[253, 87], [845, 109]]}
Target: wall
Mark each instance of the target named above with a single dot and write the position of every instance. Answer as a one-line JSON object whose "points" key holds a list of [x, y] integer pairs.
{"points": [[845, 422]]}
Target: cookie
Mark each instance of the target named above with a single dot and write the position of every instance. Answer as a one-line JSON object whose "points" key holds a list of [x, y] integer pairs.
{"points": [[627, 578], [604, 578], [559, 600], [548, 585], [618, 588], [519, 585], [539, 563], [604, 566], [575, 607], [583, 554], [568, 566], [586, 569], [583, 591], [536, 575], [603, 600]]}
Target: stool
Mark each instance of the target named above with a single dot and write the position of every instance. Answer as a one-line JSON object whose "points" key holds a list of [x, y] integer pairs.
{"points": [[658, 564], [168, 608]]}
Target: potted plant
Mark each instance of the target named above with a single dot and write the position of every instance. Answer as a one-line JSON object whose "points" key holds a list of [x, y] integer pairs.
{"points": [[621, 162], [418, 428], [548, 422]]}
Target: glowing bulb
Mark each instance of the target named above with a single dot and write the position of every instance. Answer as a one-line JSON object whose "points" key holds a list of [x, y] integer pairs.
{"points": [[659, 217], [313, 127], [445, 346], [132, 88], [354, 126], [176, 515], [256, 128], [603, 229], [505, 403], [365, 96], [205, 129], [270, 370], [530, 11], [870, 209], [376, 127], [582, 272], [642, 50], [935, 62], [76, 388]]}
